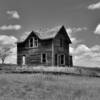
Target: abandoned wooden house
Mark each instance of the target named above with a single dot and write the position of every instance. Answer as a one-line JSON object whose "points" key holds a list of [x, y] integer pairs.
{"points": [[49, 48]]}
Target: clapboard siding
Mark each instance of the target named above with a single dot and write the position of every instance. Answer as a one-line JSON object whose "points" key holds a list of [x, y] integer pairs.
{"points": [[64, 49], [33, 55], [50, 46]]}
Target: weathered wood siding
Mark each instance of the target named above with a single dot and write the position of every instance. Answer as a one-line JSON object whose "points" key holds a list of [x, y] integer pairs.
{"points": [[33, 55], [62, 50], [50, 46]]}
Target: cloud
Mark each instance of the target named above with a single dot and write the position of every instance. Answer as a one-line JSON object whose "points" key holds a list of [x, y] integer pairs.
{"points": [[74, 30], [87, 62], [90, 59], [10, 27], [13, 14], [13, 57], [95, 48], [97, 30], [85, 56], [73, 39], [94, 6], [70, 32], [82, 49], [7, 40], [71, 50]]}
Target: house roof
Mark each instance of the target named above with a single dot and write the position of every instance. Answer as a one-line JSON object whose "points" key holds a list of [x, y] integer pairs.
{"points": [[49, 34]]}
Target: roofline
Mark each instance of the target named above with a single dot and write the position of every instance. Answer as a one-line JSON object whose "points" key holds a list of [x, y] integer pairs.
{"points": [[45, 38]]}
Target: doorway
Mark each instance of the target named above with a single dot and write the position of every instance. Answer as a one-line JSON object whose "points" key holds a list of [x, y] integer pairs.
{"points": [[23, 60]]}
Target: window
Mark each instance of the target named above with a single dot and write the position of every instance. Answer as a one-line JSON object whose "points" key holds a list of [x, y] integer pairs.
{"points": [[61, 42], [33, 42], [62, 59], [43, 58], [56, 59]]}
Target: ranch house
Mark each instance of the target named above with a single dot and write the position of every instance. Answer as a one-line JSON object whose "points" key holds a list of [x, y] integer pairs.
{"points": [[50, 48]]}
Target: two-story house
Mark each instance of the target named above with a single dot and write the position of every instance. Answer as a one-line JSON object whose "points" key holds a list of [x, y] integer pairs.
{"points": [[49, 48]]}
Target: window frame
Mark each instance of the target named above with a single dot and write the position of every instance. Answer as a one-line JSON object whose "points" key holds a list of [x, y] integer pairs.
{"points": [[43, 58], [35, 40], [32, 43], [61, 59]]}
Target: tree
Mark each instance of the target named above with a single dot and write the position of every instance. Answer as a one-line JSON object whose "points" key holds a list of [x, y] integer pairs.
{"points": [[4, 53]]}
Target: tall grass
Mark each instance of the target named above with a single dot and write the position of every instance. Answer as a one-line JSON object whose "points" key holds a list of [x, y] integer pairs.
{"points": [[48, 87]]}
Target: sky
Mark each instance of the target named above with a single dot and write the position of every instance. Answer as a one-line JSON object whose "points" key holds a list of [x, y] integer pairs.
{"points": [[80, 17]]}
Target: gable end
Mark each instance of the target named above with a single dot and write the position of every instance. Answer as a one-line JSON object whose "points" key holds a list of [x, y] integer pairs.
{"points": [[63, 30]]}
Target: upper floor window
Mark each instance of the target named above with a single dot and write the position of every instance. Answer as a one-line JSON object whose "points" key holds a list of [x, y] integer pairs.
{"points": [[33, 42]]}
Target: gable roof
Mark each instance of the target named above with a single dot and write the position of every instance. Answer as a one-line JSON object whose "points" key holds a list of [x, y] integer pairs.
{"points": [[50, 34]]}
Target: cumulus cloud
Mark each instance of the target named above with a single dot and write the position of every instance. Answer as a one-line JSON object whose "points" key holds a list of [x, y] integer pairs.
{"points": [[95, 48], [85, 56], [73, 39], [70, 32], [81, 49], [97, 30], [13, 57], [74, 29], [87, 62], [90, 59], [71, 50], [10, 27], [7, 40], [94, 6], [14, 14]]}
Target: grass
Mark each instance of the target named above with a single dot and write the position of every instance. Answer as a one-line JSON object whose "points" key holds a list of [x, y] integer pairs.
{"points": [[48, 87]]}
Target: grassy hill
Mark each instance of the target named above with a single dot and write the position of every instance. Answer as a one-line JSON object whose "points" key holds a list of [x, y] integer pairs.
{"points": [[48, 87]]}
